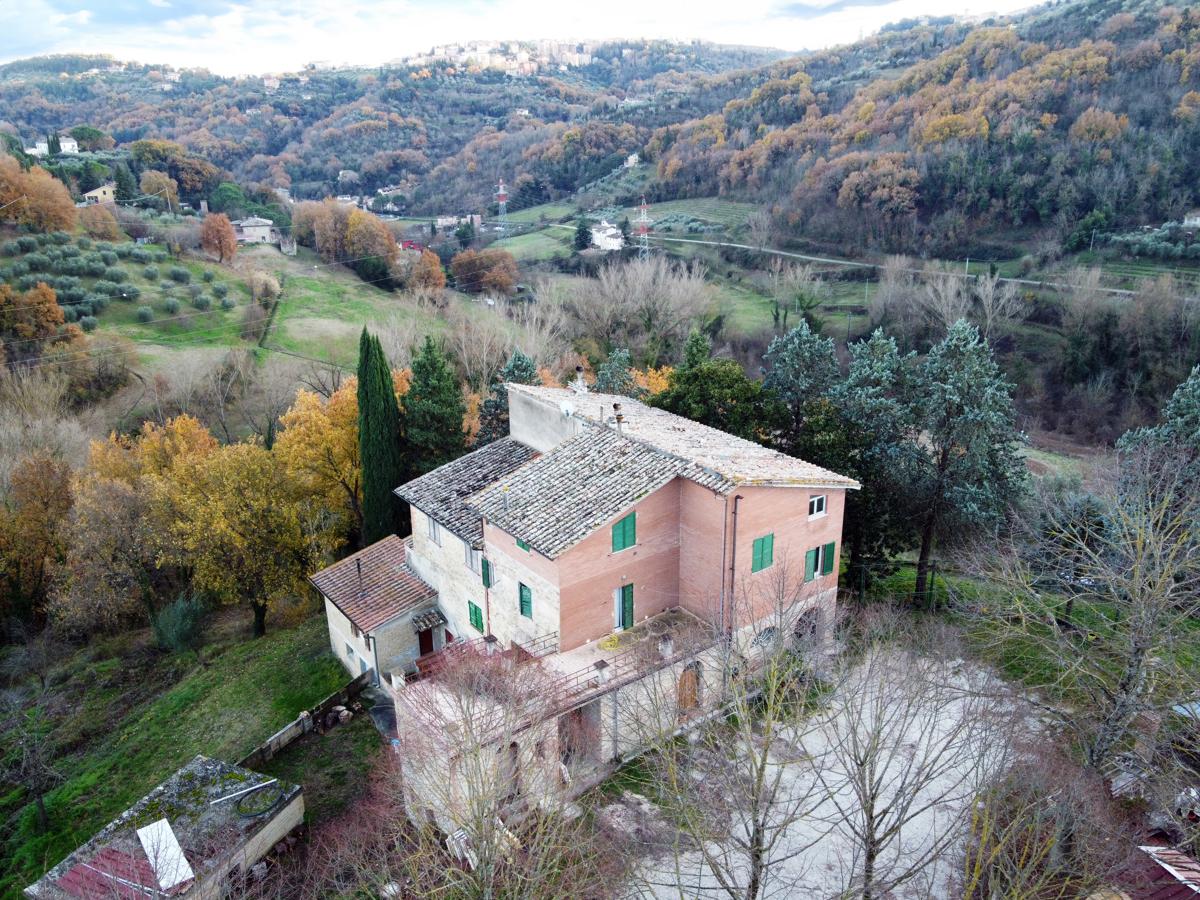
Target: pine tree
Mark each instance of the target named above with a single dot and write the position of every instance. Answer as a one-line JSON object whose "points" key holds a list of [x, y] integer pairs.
{"points": [[697, 350], [615, 376], [379, 440], [433, 412], [126, 184], [493, 418], [802, 366], [583, 235]]}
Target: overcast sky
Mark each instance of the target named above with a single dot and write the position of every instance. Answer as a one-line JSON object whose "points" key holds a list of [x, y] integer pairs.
{"points": [[238, 37]]}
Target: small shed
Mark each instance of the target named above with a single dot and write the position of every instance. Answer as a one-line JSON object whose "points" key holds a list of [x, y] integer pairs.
{"points": [[205, 825]]}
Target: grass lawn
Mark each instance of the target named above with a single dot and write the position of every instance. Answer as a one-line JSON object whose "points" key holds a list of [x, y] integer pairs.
{"points": [[125, 716], [538, 245], [333, 767], [729, 213], [544, 212]]}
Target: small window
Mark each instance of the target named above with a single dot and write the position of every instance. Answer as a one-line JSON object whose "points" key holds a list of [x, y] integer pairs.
{"points": [[523, 545], [624, 533], [354, 630], [489, 573], [349, 653], [475, 614], [816, 506], [525, 598], [827, 556], [819, 561], [763, 553], [434, 532], [471, 556]]}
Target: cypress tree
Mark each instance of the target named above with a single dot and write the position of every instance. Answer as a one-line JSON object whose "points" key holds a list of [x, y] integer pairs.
{"points": [[433, 412], [379, 437]]}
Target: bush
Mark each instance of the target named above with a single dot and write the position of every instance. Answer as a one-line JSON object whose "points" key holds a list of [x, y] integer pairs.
{"points": [[37, 262], [178, 626], [145, 314], [130, 292], [150, 273], [28, 282], [208, 276], [228, 303], [109, 257], [70, 295], [179, 274], [115, 273], [71, 313], [16, 270], [88, 323], [220, 289], [124, 251], [84, 243], [27, 242], [166, 285], [60, 237], [93, 265], [202, 303], [160, 256], [10, 248], [194, 290], [69, 252], [111, 288], [141, 255], [98, 302], [171, 305]]}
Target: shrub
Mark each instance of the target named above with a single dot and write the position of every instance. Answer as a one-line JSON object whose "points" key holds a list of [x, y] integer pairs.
{"points": [[207, 276], [160, 256], [115, 273], [124, 251], [145, 314], [60, 237], [141, 255], [37, 262], [150, 273], [178, 626], [16, 270], [111, 288], [228, 303], [202, 303], [167, 285], [93, 265], [194, 290], [130, 292], [98, 302], [69, 252], [27, 242], [179, 274], [28, 282], [220, 289], [71, 313], [84, 243], [10, 248], [171, 305], [70, 295], [109, 257], [88, 323]]}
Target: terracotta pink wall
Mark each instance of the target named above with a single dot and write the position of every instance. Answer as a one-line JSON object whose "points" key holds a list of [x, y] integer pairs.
{"points": [[590, 571], [702, 517]]}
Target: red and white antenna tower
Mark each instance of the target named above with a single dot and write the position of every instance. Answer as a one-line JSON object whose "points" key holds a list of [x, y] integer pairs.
{"points": [[502, 205], [643, 230]]}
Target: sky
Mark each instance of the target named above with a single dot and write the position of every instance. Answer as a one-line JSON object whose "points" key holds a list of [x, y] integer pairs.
{"points": [[235, 37]]}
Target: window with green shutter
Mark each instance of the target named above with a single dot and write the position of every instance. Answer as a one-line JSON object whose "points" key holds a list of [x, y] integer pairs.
{"points": [[475, 614], [763, 552], [525, 596], [486, 568], [523, 545], [810, 564], [624, 533], [625, 606], [827, 556]]}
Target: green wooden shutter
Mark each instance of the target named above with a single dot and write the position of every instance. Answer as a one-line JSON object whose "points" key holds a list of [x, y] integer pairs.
{"points": [[475, 614], [524, 545], [756, 555], [810, 565], [631, 529], [618, 536], [627, 606], [624, 533], [487, 574], [762, 553], [525, 596], [827, 558]]}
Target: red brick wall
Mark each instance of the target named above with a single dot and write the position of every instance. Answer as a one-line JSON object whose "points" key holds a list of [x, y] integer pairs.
{"points": [[589, 572]]}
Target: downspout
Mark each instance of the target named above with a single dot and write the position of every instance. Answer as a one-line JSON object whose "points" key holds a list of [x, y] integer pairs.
{"points": [[727, 631], [724, 556], [375, 655]]}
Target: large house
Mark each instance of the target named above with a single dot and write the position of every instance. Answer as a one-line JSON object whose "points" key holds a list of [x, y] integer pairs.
{"points": [[106, 193], [255, 230], [614, 546], [607, 236]]}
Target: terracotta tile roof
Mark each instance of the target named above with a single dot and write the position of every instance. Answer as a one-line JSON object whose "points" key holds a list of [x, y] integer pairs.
{"points": [[1165, 874], [441, 493], [374, 585], [728, 461], [563, 496]]}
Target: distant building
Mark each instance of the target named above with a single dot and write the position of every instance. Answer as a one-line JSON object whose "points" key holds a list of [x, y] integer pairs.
{"points": [[106, 193], [271, 84], [1192, 219], [68, 145], [607, 236], [632, 161], [254, 230], [447, 223], [208, 822], [42, 148]]}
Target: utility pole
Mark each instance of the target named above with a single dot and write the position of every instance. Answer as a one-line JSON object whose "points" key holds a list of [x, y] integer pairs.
{"points": [[502, 206], [643, 230], [1092, 245]]}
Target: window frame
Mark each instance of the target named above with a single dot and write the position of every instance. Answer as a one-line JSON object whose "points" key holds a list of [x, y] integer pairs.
{"points": [[823, 501], [762, 552], [524, 600], [624, 532], [472, 558], [474, 612], [433, 530], [487, 572]]}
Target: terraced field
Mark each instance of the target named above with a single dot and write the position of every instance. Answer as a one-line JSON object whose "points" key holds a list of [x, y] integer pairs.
{"points": [[729, 213], [538, 245], [544, 212]]}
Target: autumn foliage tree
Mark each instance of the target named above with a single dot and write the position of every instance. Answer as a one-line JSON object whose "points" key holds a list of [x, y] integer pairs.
{"points": [[427, 272], [36, 501], [485, 270], [217, 236], [100, 223], [35, 199], [30, 322], [162, 185]]}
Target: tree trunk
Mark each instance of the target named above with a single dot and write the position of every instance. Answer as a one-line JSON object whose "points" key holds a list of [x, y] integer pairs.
{"points": [[921, 590], [756, 863], [870, 851], [260, 619], [43, 819]]}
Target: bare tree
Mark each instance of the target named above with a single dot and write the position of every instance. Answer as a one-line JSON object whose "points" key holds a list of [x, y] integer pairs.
{"points": [[893, 305], [758, 224], [999, 305], [945, 299], [398, 336], [268, 394], [479, 344], [794, 289], [30, 760], [1100, 597]]}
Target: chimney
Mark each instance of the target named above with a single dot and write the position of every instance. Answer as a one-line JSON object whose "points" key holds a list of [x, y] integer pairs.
{"points": [[603, 675], [620, 415], [358, 568], [579, 385]]}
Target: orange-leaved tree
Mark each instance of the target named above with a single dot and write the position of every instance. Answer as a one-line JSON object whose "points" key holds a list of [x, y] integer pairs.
{"points": [[217, 236]]}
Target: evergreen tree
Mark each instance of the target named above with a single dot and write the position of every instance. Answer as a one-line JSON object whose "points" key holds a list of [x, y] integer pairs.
{"points": [[433, 412], [379, 441], [801, 367], [583, 235], [1180, 425], [493, 418], [624, 226], [966, 473], [53, 145], [615, 375], [717, 392], [126, 184], [697, 350]]}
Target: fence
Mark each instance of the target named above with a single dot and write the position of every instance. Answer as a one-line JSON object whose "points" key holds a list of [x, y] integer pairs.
{"points": [[303, 723]]}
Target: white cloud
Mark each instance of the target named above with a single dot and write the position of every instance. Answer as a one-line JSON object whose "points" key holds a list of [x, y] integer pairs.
{"points": [[273, 35]]}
